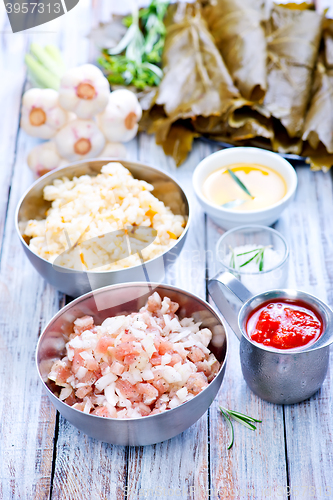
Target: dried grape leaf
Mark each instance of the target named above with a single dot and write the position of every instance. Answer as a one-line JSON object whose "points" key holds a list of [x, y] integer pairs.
{"points": [[296, 5], [237, 28], [196, 80], [282, 142], [249, 124], [328, 39], [293, 38], [244, 123], [178, 142], [318, 158], [318, 126]]}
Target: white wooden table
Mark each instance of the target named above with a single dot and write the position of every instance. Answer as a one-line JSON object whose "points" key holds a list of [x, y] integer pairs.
{"points": [[42, 456]]}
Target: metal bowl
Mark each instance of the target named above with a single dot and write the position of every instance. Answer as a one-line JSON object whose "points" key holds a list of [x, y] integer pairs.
{"points": [[129, 298], [74, 282]]}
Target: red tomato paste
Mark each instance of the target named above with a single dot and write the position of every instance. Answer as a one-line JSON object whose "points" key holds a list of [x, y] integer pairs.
{"points": [[284, 324]]}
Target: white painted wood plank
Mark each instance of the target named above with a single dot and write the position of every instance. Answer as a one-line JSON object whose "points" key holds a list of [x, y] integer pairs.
{"points": [[27, 303], [87, 469], [309, 425], [84, 468], [178, 466], [188, 272], [27, 418], [255, 466], [12, 81]]}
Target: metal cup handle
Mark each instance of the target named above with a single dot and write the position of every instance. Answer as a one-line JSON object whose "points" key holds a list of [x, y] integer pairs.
{"points": [[228, 281]]}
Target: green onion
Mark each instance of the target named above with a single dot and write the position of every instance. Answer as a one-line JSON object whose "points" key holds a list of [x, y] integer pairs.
{"points": [[40, 75], [48, 61], [45, 66], [136, 58]]}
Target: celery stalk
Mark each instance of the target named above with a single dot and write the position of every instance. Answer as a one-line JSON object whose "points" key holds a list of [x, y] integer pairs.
{"points": [[41, 74], [46, 60], [55, 53]]}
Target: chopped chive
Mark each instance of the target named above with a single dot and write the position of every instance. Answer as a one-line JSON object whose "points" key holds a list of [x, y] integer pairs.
{"points": [[239, 182], [232, 259], [250, 251], [259, 257], [261, 263], [249, 260]]}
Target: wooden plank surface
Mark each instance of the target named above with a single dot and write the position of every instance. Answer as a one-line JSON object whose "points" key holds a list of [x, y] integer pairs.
{"points": [[11, 88], [83, 468], [254, 465], [309, 433], [26, 304], [180, 465]]}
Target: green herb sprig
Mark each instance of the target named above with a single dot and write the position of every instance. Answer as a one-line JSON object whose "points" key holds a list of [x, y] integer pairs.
{"points": [[232, 258], [239, 182], [258, 256], [136, 58], [238, 417]]}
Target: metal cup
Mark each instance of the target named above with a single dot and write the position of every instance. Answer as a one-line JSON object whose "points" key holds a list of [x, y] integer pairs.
{"points": [[278, 376]]}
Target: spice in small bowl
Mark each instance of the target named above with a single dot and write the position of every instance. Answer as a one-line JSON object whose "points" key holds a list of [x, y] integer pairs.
{"points": [[256, 255]]}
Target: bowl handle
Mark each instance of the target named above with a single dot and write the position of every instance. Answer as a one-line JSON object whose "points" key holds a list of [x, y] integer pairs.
{"points": [[228, 281]]}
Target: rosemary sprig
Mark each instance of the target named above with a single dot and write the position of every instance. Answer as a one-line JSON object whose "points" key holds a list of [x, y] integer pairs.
{"points": [[238, 417], [231, 427], [239, 182]]}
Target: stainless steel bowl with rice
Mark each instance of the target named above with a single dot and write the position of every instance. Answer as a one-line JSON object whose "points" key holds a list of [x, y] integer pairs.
{"points": [[101, 222]]}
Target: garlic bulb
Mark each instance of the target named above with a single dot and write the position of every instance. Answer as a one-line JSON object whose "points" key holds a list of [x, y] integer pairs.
{"points": [[119, 120], [84, 90], [80, 139], [113, 150], [41, 114], [44, 158]]}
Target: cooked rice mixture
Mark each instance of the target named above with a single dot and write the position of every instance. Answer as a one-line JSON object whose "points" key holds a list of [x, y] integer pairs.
{"points": [[87, 207], [135, 365]]}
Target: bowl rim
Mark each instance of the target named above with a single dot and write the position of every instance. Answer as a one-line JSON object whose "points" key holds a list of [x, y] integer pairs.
{"points": [[239, 149], [127, 285], [107, 160], [263, 228]]}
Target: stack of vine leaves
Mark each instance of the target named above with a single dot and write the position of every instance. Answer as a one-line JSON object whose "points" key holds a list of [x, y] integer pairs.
{"points": [[234, 73]]}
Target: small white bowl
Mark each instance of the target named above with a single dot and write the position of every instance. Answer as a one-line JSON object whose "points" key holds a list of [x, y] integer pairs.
{"points": [[229, 218]]}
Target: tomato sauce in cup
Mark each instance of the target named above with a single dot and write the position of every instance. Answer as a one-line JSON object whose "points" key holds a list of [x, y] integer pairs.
{"points": [[284, 324]]}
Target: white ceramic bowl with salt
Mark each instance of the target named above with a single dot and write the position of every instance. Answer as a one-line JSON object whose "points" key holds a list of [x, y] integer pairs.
{"points": [[228, 217], [256, 255]]}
